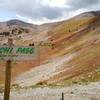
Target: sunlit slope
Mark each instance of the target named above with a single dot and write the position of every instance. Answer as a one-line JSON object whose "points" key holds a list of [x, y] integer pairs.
{"points": [[85, 44], [75, 51]]}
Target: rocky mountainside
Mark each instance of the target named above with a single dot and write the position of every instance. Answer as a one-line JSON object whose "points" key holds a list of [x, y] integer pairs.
{"points": [[68, 50]]}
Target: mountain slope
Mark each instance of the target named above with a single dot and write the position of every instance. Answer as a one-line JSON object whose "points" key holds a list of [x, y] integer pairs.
{"points": [[74, 52]]}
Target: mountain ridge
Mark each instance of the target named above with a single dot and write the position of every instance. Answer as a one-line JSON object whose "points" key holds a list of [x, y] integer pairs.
{"points": [[95, 13]]}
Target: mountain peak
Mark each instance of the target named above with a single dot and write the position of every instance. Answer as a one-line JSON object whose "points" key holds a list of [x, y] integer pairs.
{"points": [[95, 13], [88, 14], [18, 23]]}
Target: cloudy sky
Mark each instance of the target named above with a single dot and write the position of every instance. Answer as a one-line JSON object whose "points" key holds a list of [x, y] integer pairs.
{"points": [[42, 11]]}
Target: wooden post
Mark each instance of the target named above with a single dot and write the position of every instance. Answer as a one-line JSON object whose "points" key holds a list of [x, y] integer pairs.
{"points": [[8, 74], [62, 98]]}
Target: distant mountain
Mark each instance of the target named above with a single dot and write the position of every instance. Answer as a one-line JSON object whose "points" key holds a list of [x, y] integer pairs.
{"points": [[18, 23], [95, 13], [14, 25]]}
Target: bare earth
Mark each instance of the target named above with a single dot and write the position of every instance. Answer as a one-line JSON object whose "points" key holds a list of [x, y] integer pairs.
{"points": [[76, 92]]}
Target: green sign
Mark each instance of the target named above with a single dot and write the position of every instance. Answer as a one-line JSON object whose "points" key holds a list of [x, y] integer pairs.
{"points": [[18, 53]]}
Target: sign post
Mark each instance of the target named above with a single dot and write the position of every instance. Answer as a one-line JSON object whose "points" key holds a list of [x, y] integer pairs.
{"points": [[8, 74], [16, 53]]}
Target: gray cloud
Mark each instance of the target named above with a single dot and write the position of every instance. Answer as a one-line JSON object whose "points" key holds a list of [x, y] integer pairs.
{"points": [[33, 9], [42, 11], [83, 3], [36, 11]]}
